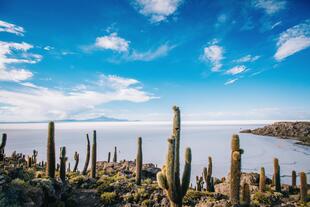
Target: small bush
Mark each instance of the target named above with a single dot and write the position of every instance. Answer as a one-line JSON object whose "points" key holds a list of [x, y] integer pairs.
{"points": [[108, 198]]}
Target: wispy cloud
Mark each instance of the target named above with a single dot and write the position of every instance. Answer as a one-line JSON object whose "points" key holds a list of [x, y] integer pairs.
{"points": [[236, 70], [157, 10], [270, 6], [150, 55], [247, 58], [293, 40], [112, 42], [12, 53], [232, 81], [32, 102], [11, 28], [213, 54]]}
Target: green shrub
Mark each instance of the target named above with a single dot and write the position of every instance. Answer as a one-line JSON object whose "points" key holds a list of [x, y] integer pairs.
{"points": [[108, 198]]}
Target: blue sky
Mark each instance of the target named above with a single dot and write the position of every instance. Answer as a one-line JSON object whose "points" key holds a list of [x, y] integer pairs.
{"points": [[135, 59]]}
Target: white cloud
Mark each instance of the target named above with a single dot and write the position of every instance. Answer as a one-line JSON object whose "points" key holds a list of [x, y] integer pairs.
{"points": [[247, 58], [214, 54], [11, 28], [293, 40], [32, 102], [47, 48], [112, 42], [270, 6], [157, 10], [149, 55], [12, 53], [236, 70], [232, 81]]}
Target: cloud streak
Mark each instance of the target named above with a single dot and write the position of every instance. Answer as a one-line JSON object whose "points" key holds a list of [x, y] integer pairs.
{"points": [[270, 6], [11, 28], [236, 70], [213, 54], [150, 55]]}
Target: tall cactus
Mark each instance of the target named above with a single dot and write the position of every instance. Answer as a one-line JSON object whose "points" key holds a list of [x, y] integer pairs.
{"points": [[109, 156], [50, 167], [77, 159], [34, 158], [87, 156], [235, 170], [63, 160], [2, 146], [303, 187], [276, 175], [29, 162], [207, 174], [169, 179], [294, 179], [94, 155], [139, 162], [115, 155], [246, 195], [262, 180]]}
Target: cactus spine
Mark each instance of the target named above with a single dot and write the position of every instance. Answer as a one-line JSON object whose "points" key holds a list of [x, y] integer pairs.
{"points": [[294, 179], [235, 170], [77, 159], [87, 156], [109, 156], [2, 146], [115, 155], [50, 168], [94, 155], [139, 162], [276, 169], [303, 187], [168, 179], [63, 160], [246, 195], [207, 174], [262, 180]]}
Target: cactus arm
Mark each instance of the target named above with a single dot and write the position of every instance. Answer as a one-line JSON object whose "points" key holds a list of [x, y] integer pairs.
{"points": [[187, 172], [162, 181]]}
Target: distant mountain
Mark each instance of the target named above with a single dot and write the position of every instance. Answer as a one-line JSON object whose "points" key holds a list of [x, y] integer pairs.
{"points": [[97, 119]]}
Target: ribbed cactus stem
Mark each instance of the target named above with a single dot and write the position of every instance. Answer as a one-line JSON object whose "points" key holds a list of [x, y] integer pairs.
{"points": [[34, 157], [2, 146], [77, 159], [29, 162], [69, 168], [87, 156], [276, 169], [207, 174], [176, 135], [139, 162], [168, 179], [262, 180], [50, 167], [115, 155], [63, 160], [303, 187], [235, 170], [109, 156], [246, 195], [94, 156], [199, 183], [294, 175]]}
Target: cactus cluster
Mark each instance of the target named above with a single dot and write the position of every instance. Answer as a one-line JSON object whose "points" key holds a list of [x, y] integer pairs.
{"points": [[235, 170], [199, 183], [63, 160], [87, 156], [50, 167], [94, 155], [139, 162], [169, 178], [2, 146], [276, 175], [207, 174]]}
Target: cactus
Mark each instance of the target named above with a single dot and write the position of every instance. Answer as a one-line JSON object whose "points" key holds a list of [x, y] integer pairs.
{"points": [[199, 183], [276, 178], [77, 159], [2, 146], [169, 179], [34, 159], [139, 162], [109, 156], [57, 167], [69, 168], [294, 179], [262, 180], [63, 160], [235, 170], [246, 195], [29, 162], [50, 168], [115, 155], [94, 156], [303, 187], [207, 174], [87, 156]]}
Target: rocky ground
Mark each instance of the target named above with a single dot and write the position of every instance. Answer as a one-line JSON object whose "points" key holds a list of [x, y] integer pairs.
{"points": [[115, 186], [287, 130]]}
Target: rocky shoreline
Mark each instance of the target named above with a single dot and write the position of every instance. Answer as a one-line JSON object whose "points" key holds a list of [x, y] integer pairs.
{"points": [[299, 131]]}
